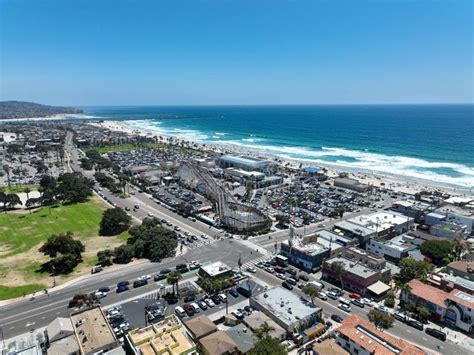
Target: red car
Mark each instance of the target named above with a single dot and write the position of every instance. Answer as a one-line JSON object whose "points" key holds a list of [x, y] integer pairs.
{"points": [[354, 295]]}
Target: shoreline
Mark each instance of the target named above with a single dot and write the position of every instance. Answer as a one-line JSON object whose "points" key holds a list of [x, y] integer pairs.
{"points": [[405, 184]]}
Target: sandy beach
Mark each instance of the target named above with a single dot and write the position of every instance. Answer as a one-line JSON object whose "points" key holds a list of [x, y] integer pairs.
{"points": [[403, 184]]}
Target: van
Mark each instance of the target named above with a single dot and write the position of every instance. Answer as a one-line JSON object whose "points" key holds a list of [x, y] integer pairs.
{"points": [[436, 333], [96, 268], [195, 306], [223, 297], [318, 285], [179, 311]]}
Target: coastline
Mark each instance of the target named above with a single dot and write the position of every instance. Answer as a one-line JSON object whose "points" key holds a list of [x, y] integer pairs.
{"points": [[58, 117], [405, 184]]}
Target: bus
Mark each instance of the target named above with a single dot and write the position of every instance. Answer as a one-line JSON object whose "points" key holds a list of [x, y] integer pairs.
{"points": [[281, 260]]}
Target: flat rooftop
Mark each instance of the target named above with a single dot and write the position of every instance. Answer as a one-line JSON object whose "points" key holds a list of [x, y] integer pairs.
{"points": [[92, 330], [353, 228], [380, 221], [216, 269], [285, 305], [456, 210], [354, 267], [167, 337]]}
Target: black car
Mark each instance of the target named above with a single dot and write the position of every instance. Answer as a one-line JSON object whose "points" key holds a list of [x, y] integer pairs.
{"points": [[304, 278], [291, 271], [337, 318], [415, 324], [216, 299], [104, 289], [189, 298], [123, 283], [287, 285], [139, 283], [122, 288], [181, 266], [436, 333], [188, 309], [160, 277], [165, 271]]}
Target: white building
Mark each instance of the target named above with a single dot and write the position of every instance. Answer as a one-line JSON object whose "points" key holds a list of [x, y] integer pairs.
{"points": [[385, 224], [462, 216], [393, 250]]}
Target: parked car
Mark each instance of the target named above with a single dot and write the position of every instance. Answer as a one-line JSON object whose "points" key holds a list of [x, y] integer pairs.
{"points": [[216, 299], [222, 297], [203, 305], [415, 324], [344, 300], [159, 277], [344, 307], [195, 307], [287, 285], [123, 283], [122, 288], [209, 302], [354, 295], [323, 296], [368, 302], [381, 309], [400, 316], [436, 333], [139, 283], [234, 292], [104, 289], [337, 318], [358, 302], [304, 277], [237, 314], [332, 295], [165, 271], [291, 271], [189, 309]]}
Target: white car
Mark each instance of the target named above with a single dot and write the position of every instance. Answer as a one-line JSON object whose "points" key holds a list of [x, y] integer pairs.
{"points": [[144, 277], [100, 295], [323, 296], [222, 297], [203, 236], [210, 302], [344, 307], [344, 301], [251, 269], [368, 302], [381, 309]]}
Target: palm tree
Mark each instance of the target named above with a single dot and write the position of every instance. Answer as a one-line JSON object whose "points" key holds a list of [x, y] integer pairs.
{"points": [[7, 169], [339, 271], [404, 289], [173, 280], [263, 331]]}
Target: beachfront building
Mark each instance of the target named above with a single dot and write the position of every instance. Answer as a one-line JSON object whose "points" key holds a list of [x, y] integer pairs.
{"points": [[287, 309], [167, 337], [351, 184], [361, 271], [458, 215], [358, 336], [412, 208], [455, 308], [246, 163]]}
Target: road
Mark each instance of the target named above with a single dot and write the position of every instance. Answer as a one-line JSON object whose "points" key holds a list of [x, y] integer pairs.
{"points": [[26, 314]]}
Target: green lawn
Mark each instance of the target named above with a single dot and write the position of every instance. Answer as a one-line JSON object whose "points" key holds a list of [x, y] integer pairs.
{"points": [[13, 292], [19, 232], [19, 188]]}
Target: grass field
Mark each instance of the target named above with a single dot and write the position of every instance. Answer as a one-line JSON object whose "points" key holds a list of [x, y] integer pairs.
{"points": [[21, 234], [19, 188]]}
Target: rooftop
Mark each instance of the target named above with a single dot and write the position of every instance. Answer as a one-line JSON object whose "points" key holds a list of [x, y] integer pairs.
{"points": [[364, 333], [456, 210], [218, 343], [329, 346], [216, 269], [244, 160], [380, 221], [438, 297], [200, 326], [285, 305], [353, 228], [464, 266], [257, 318], [242, 336], [92, 330], [354, 267], [167, 336]]}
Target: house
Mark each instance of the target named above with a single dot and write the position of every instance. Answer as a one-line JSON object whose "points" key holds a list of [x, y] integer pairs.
{"points": [[455, 308], [200, 327], [218, 343], [242, 337], [59, 328], [462, 269], [412, 208], [328, 346], [256, 319], [358, 336]]}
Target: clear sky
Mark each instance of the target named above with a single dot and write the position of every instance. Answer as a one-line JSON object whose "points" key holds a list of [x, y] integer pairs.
{"points": [[236, 52]]}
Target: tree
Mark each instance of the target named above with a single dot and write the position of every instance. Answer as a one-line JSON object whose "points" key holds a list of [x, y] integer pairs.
{"points": [[422, 314], [389, 301], [282, 219], [380, 319], [9, 200], [47, 183], [306, 218], [311, 291], [437, 250], [7, 170], [266, 345], [339, 271], [123, 254], [64, 251], [114, 221], [412, 269], [105, 257], [173, 279]]}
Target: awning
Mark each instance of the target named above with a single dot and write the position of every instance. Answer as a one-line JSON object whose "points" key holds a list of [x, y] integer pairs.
{"points": [[378, 288]]}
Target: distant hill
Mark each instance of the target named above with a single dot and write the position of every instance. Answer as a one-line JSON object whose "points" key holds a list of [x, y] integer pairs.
{"points": [[22, 109]]}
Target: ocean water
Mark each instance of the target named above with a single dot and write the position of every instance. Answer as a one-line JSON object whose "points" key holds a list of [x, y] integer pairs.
{"points": [[428, 142]]}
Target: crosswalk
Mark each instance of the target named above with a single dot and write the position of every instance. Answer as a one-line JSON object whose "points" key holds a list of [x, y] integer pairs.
{"points": [[252, 263], [200, 243]]}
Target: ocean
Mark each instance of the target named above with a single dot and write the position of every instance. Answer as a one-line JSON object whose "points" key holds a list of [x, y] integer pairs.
{"points": [[432, 143]]}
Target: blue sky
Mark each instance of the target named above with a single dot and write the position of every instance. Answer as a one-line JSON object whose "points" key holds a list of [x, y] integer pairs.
{"points": [[236, 52]]}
